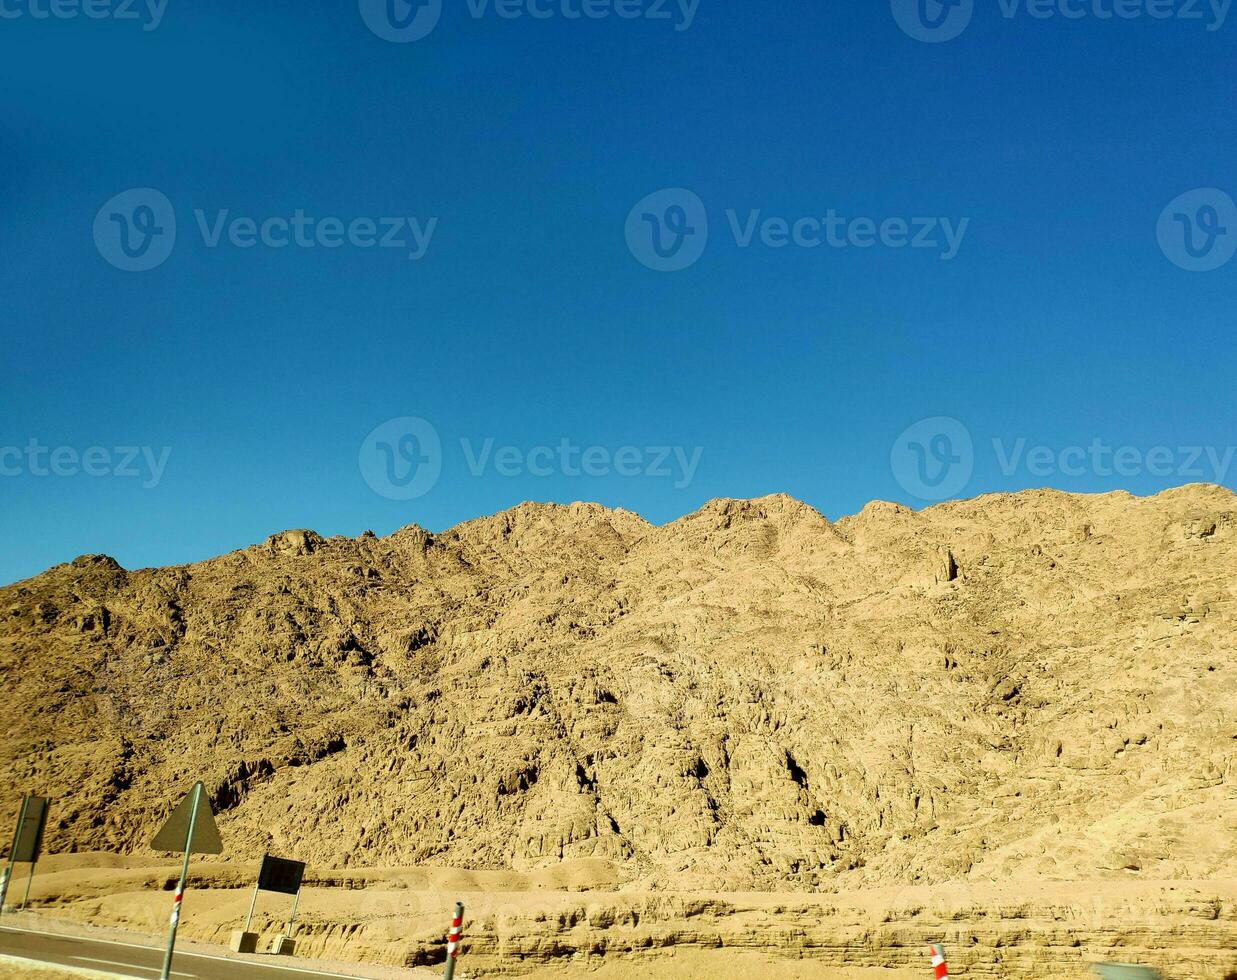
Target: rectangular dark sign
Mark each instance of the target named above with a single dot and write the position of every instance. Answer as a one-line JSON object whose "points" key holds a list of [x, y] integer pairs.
{"points": [[28, 838], [280, 875]]}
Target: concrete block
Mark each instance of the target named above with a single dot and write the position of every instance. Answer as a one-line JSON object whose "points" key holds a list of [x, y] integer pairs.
{"points": [[244, 942]]}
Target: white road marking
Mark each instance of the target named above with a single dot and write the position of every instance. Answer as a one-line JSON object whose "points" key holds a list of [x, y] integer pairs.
{"points": [[200, 956], [130, 966]]}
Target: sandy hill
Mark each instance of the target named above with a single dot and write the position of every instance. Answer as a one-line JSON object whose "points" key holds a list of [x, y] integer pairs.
{"points": [[1028, 685]]}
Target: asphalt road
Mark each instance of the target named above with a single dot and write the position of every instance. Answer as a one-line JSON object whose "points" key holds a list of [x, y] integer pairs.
{"points": [[128, 960]]}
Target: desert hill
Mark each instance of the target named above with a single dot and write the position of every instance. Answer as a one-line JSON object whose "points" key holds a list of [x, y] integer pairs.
{"points": [[1032, 685]]}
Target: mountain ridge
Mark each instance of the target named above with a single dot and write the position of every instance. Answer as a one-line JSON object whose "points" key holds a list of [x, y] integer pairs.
{"points": [[751, 696], [714, 505]]}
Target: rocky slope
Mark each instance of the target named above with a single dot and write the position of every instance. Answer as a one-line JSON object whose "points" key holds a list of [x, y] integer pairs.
{"points": [[1037, 685], [567, 922]]}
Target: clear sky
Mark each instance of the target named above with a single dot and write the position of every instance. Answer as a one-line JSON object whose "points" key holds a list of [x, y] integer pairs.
{"points": [[556, 327]]}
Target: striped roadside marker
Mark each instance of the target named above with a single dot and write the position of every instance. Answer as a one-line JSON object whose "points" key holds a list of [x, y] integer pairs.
{"points": [[938, 960], [176, 900], [453, 940]]}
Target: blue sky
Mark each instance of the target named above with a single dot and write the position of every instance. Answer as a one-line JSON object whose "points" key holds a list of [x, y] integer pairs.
{"points": [[237, 386]]}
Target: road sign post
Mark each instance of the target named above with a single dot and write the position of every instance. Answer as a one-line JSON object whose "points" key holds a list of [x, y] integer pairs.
{"points": [[252, 904], [245, 941], [453, 941], [27, 844], [25, 895], [285, 945], [296, 900], [180, 886], [200, 834], [275, 875]]}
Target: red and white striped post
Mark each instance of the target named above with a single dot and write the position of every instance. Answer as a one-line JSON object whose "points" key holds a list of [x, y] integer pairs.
{"points": [[453, 941], [938, 960], [179, 897]]}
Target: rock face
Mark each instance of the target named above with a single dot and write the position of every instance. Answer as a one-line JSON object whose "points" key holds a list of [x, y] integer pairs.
{"points": [[1037, 685], [567, 922]]}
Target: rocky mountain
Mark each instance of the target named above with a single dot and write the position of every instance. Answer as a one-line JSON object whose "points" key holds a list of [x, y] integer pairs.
{"points": [[1033, 685]]}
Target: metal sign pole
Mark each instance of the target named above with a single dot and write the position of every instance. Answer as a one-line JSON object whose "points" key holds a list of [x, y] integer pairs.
{"points": [[295, 901], [453, 941], [254, 902], [26, 896], [27, 841], [180, 888], [21, 822]]}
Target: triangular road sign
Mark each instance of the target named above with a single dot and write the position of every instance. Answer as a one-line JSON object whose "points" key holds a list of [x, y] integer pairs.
{"points": [[171, 836]]}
